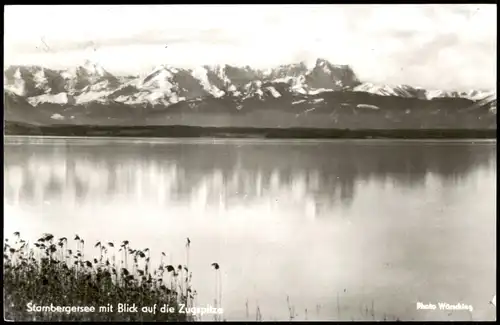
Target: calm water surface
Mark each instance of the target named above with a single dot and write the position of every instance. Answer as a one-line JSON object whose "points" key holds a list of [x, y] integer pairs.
{"points": [[335, 225]]}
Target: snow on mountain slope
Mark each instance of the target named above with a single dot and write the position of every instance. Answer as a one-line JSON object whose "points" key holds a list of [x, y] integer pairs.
{"points": [[415, 92], [489, 101], [61, 98], [405, 91], [478, 95], [430, 94], [91, 75], [322, 76], [31, 81], [274, 92], [237, 76], [284, 71], [166, 85], [17, 85], [201, 74], [329, 76], [84, 83]]}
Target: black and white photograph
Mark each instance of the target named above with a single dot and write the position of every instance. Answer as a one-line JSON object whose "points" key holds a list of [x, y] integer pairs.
{"points": [[305, 162]]}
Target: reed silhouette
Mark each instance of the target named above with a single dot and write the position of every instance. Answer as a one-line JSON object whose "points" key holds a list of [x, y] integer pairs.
{"points": [[48, 272]]}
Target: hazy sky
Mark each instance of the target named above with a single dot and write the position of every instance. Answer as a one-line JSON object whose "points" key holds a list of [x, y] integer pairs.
{"points": [[434, 46]]}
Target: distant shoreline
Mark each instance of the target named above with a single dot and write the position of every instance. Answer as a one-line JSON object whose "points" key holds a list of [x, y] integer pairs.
{"points": [[178, 131]]}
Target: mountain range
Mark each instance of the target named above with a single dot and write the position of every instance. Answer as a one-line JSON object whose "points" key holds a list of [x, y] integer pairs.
{"points": [[324, 96]]}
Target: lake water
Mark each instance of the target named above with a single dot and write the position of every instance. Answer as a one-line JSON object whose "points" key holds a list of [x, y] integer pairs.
{"points": [[337, 226]]}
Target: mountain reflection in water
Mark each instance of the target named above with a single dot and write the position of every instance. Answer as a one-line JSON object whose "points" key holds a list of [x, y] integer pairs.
{"points": [[389, 222]]}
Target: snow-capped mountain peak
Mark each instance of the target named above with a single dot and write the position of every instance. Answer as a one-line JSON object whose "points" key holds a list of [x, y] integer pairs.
{"points": [[88, 69], [166, 84], [386, 90], [158, 78], [39, 76], [201, 74], [88, 77], [92, 68], [17, 74]]}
